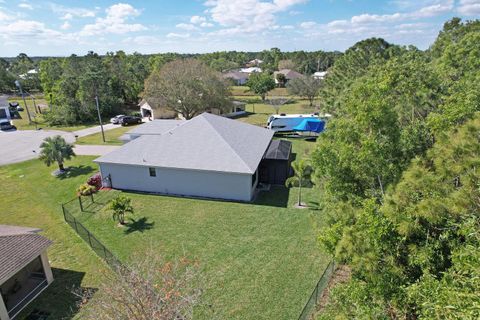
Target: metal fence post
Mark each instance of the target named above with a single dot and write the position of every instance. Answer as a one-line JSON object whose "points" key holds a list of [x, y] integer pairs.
{"points": [[75, 222], [80, 202]]}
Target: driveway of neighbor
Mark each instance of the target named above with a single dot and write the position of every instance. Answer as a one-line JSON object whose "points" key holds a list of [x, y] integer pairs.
{"points": [[3, 100], [93, 150], [92, 130], [21, 145]]}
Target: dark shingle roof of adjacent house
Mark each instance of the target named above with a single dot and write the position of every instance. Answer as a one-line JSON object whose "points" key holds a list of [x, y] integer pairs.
{"points": [[19, 246], [206, 142], [278, 150]]}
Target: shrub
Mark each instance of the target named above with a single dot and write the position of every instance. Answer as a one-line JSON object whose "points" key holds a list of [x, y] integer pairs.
{"points": [[95, 181], [86, 190]]}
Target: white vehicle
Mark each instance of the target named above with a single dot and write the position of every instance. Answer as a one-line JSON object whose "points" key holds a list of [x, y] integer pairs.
{"points": [[286, 122]]}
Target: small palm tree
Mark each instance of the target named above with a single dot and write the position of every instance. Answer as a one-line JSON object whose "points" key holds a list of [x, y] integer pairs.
{"points": [[119, 207], [56, 149], [303, 172]]}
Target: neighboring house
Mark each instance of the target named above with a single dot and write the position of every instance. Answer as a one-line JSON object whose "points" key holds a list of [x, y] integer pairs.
{"points": [[208, 156], [320, 75], [289, 75], [254, 63], [251, 70], [155, 109], [24, 268], [238, 77], [29, 74]]}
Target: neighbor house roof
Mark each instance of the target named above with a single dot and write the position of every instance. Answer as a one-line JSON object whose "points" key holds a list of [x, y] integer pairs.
{"points": [[289, 74], [19, 246], [278, 150], [237, 75], [206, 142]]}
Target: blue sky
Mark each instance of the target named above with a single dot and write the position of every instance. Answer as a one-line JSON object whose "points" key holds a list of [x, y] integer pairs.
{"points": [[61, 27]]}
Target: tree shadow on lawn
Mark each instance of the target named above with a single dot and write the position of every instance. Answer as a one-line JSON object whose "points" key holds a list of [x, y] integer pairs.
{"points": [[61, 299], [139, 225], [72, 172]]}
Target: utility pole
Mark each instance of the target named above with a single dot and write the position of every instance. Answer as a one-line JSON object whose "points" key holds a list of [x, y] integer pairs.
{"points": [[19, 86], [99, 117]]}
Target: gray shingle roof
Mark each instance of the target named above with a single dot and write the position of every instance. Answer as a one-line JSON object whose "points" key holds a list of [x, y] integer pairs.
{"points": [[206, 142], [19, 246], [156, 127]]}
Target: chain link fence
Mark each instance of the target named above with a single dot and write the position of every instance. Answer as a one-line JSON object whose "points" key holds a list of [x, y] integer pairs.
{"points": [[317, 292], [90, 203]]}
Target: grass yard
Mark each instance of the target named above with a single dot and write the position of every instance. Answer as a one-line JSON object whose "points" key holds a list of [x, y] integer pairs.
{"points": [[111, 136], [260, 261], [258, 113], [31, 196]]}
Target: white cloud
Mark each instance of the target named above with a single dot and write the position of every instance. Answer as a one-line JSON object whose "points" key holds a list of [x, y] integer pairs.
{"points": [[469, 7], [115, 21], [31, 30], [173, 35], [24, 5], [248, 15], [142, 40], [206, 24], [186, 26], [197, 19], [308, 24], [66, 25], [67, 13]]}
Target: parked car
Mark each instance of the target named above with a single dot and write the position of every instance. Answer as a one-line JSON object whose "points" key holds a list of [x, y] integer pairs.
{"points": [[127, 120], [5, 124], [116, 119]]}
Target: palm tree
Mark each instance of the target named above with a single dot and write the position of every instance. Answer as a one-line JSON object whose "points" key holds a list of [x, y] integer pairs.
{"points": [[120, 206], [56, 149], [303, 172]]}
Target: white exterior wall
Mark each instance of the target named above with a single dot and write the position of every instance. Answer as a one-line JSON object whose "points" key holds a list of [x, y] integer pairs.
{"points": [[209, 184]]}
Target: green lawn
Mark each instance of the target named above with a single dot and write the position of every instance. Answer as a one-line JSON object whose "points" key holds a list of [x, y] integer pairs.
{"points": [[31, 196], [111, 136], [258, 113]]}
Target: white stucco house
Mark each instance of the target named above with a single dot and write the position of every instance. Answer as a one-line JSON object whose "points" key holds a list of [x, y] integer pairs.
{"points": [[24, 268], [208, 156]]}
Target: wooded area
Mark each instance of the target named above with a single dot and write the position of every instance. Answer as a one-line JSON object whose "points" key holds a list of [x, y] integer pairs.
{"points": [[398, 167]]}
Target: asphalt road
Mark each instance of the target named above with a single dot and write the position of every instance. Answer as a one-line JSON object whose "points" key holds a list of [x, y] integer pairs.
{"points": [[21, 145]]}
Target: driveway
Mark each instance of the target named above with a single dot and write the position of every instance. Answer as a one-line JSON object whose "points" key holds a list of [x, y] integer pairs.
{"points": [[3, 100], [21, 145]]}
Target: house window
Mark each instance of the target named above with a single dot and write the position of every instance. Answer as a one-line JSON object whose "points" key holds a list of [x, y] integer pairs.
{"points": [[153, 172]]}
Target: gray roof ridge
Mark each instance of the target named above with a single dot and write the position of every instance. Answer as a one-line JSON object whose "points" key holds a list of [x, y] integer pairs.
{"points": [[228, 144]]}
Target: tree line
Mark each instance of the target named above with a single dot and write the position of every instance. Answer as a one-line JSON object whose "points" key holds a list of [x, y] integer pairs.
{"points": [[71, 84], [398, 172]]}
